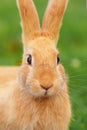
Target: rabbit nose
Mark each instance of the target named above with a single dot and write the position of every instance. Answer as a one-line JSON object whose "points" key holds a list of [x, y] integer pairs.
{"points": [[45, 87]]}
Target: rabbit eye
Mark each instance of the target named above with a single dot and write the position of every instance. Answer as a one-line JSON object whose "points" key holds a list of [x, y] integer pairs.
{"points": [[58, 59], [29, 60]]}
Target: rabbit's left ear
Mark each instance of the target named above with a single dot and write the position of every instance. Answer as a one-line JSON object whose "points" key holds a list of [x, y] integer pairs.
{"points": [[53, 17], [29, 18]]}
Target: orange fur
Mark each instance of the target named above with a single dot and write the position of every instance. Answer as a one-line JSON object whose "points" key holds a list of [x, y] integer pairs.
{"points": [[24, 103], [30, 21], [53, 17], [8, 73]]}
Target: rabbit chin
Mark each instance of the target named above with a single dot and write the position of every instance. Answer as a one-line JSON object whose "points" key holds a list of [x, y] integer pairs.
{"points": [[34, 89]]}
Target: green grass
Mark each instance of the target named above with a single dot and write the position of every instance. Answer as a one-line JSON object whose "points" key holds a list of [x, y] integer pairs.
{"points": [[72, 45]]}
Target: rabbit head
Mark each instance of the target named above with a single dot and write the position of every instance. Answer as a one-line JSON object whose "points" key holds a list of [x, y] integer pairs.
{"points": [[41, 73]]}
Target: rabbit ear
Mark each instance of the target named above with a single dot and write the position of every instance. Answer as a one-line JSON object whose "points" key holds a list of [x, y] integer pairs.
{"points": [[53, 17], [29, 18]]}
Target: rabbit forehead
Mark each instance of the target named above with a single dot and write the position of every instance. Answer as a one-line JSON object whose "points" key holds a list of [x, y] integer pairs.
{"points": [[44, 58], [41, 44], [43, 52]]}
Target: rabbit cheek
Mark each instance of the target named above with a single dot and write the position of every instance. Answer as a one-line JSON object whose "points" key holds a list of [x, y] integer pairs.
{"points": [[56, 88], [24, 70], [58, 84], [33, 87]]}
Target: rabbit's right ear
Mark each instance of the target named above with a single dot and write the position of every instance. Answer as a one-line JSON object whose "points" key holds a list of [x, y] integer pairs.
{"points": [[29, 18]]}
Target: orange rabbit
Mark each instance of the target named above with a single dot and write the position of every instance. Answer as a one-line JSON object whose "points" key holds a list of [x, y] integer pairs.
{"points": [[35, 96]]}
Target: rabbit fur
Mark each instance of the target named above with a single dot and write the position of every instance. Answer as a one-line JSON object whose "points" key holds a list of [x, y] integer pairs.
{"points": [[34, 96]]}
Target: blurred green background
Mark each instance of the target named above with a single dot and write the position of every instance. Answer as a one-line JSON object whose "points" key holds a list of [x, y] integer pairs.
{"points": [[72, 45]]}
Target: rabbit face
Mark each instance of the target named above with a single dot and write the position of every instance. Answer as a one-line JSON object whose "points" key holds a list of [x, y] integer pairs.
{"points": [[41, 73]]}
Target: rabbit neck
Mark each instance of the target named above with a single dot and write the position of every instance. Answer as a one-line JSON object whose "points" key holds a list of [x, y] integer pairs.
{"points": [[41, 112]]}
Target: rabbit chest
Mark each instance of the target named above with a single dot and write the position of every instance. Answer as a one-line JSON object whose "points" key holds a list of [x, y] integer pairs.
{"points": [[24, 112], [51, 113]]}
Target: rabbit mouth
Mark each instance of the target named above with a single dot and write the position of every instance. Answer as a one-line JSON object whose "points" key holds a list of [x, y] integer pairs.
{"points": [[35, 89], [40, 93], [46, 94]]}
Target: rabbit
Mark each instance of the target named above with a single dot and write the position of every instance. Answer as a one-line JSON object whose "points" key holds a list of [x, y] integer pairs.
{"points": [[35, 96]]}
